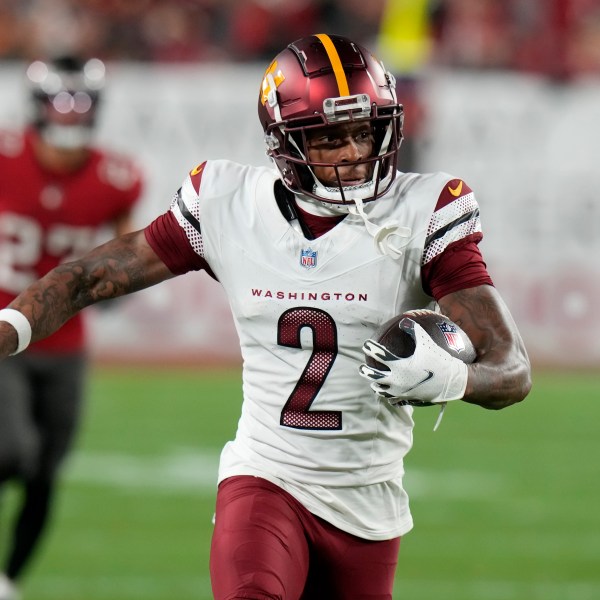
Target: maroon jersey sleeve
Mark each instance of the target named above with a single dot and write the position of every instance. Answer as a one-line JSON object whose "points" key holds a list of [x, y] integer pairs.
{"points": [[460, 266], [170, 243], [452, 260]]}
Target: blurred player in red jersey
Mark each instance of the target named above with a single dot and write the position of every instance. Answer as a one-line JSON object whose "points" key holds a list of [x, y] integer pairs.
{"points": [[57, 193], [315, 252]]}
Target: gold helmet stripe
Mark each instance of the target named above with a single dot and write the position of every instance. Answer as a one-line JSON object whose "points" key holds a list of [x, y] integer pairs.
{"points": [[336, 63]]}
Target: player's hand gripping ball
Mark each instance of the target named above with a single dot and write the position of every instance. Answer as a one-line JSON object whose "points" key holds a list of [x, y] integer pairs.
{"points": [[418, 358]]}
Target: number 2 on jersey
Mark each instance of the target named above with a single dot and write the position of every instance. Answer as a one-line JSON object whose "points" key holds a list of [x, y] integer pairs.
{"points": [[296, 413]]}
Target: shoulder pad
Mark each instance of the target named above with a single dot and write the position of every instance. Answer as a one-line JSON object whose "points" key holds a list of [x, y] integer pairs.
{"points": [[119, 171]]}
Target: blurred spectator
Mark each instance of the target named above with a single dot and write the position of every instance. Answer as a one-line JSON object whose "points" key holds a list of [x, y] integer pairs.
{"points": [[182, 32], [176, 30], [57, 27], [258, 29], [357, 19], [474, 33], [560, 38], [404, 45], [10, 26], [557, 38], [542, 38], [582, 56]]}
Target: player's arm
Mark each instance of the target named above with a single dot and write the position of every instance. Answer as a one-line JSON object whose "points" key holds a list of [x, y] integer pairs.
{"points": [[501, 374], [121, 266], [123, 223], [455, 275]]}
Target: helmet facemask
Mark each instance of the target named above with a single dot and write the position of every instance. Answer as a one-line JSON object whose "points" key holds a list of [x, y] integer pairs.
{"points": [[288, 144]]}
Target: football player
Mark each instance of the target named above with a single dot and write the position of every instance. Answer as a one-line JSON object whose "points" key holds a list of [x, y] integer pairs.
{"points": [[314, 254], [57, 192]]}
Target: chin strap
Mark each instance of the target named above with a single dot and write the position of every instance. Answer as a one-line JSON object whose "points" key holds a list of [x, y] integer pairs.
{"points": [[389, 238]]}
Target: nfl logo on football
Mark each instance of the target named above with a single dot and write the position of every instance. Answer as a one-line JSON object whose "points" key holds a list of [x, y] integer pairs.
{"points": [[455, 342], [308, 258]]}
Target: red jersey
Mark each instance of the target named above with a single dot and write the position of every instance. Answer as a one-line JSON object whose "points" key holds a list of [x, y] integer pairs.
{"points": [[47, 218]]}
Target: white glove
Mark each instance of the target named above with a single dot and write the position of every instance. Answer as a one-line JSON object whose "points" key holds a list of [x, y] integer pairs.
{"points": [[429, 376]]}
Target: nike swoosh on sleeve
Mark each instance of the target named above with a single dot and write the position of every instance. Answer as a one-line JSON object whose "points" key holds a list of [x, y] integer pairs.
{"points": [[456, 190]]}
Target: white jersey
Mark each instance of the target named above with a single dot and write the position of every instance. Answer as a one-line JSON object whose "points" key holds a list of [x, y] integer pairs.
{"points": [[303, 309]]}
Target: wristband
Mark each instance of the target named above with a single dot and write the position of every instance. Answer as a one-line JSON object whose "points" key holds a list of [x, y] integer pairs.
{"points": [[21, 324]]}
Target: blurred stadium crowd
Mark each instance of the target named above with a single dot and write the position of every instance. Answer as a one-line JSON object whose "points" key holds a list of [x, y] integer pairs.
{"points": [[559, 38]]}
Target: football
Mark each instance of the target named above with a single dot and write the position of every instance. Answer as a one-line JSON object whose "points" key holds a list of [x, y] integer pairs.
{"points": [[444, 332]]}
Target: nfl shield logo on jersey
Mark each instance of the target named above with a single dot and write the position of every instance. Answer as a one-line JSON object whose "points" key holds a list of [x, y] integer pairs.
{"points": [[308, 258], [453, 338]]}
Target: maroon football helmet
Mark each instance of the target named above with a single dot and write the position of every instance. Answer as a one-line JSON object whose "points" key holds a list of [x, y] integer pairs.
{"points": [[320, 81]]}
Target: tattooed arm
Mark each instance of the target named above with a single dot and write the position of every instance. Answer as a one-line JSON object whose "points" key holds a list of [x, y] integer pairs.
{"points": [[122, 266], [501, 374]]}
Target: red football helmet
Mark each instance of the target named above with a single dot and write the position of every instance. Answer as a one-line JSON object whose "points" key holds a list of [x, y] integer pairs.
{"points": [[320, 81]]}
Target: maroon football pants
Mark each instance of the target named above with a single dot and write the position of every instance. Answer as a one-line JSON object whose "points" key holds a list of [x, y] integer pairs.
{"points": [[267, 546]]}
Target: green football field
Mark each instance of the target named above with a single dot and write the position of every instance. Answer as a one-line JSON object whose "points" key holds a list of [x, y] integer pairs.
{"points": [[506, 504]]}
